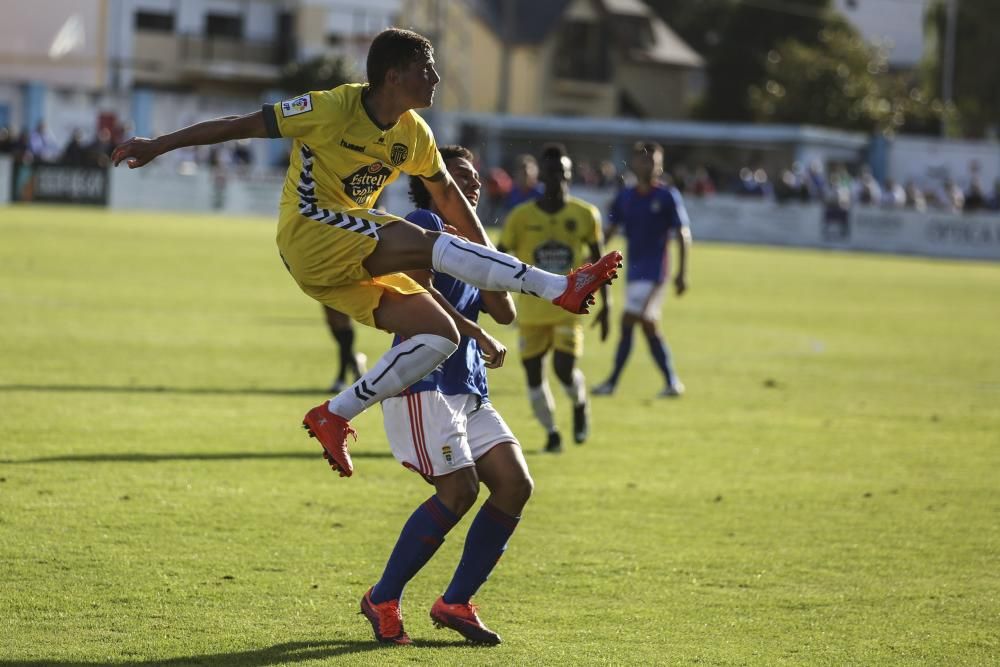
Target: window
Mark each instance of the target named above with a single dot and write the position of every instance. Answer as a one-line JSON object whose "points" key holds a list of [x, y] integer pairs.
{"points": [[582, 52], [224, 25], [154, 21]]}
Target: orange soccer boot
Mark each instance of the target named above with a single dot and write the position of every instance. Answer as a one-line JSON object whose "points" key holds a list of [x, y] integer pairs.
{"points": [[331, 430], [463, 619], [386, 620], [587, 279]]}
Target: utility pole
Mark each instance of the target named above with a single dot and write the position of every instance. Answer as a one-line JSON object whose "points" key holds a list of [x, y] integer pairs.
{"points": [[508, 17], [948, 63]]}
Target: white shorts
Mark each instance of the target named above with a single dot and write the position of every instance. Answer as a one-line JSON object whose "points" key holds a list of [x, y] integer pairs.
{"points": [[434, 434], [644, 298]]}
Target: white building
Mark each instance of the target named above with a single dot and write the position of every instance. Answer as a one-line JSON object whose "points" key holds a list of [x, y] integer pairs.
{"points": [[154, 65], [897, 25]]}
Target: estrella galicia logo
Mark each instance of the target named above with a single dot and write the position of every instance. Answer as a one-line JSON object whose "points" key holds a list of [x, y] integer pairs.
{"points": [[366, 181], [554, 257], [398, 154]]}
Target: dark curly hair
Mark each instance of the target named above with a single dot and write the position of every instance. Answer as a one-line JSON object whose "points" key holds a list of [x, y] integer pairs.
{"points": [[394, 48], [418, 191]]}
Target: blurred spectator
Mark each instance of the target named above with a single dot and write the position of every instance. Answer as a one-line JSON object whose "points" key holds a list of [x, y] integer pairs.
{"points": [[42, 144], [816, 182], [526, 186], [242, 156], [753, 183], [993, 201], [792, 186], [703, 184], [75, 153], [608, 174], [867, 191], [840, 190], [99, 152], [893, 195], [953, 198], [914, 197], [6, 141], [975, 197]]}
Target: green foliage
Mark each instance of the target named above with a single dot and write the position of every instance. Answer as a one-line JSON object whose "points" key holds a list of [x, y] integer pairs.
{"points": [[840, 81], [976, 82], [826, 493], [320, 73]]}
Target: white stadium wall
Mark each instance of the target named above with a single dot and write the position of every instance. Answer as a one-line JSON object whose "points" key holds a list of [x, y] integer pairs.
{"points": [[6, 167]]}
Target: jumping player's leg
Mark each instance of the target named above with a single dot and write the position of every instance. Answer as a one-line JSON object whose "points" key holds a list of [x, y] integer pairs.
{"points": [[406, 247]]}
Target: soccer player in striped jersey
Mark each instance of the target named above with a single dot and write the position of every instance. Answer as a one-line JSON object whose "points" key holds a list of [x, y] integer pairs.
{"points": [[445, 428], [348, 144], [649, 214]]}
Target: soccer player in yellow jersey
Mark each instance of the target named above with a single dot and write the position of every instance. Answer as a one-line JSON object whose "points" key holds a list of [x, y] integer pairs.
{"points": [[349, 143], [555, 232]]}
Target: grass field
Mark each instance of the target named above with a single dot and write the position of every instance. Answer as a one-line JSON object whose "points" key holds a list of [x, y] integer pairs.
{"points": [[828, 492]]}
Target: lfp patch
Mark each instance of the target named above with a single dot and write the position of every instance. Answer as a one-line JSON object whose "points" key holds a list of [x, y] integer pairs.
{"points": [[294, 107]]}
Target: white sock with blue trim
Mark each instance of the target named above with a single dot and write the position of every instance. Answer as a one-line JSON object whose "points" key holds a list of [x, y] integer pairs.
{"points": [[490, 269], [396, 370]]}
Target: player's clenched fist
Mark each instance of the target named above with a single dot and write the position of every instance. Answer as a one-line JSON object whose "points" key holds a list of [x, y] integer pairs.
{"points": [[136, 152]]}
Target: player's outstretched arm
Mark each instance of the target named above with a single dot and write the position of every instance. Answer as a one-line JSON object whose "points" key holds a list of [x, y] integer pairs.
{"points": [[455, 208], [140, 151]]}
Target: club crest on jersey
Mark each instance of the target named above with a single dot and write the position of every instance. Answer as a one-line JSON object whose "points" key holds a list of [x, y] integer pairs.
{"points": [[655, 206], [446, 451], [570, 225], [366, 181], [398, 154], [295, 106]]}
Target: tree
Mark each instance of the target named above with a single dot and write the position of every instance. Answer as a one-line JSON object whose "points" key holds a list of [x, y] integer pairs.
{"points": [[976, 77], [321, 73], [840, 81]]}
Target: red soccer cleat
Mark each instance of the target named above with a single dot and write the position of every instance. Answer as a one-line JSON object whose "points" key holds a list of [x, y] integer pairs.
{"points": [[331, 430], [584, 281], [386, 620], [463, 619]]}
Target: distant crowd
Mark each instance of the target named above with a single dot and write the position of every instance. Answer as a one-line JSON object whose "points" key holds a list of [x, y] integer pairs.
{"points": [[837, 187]]}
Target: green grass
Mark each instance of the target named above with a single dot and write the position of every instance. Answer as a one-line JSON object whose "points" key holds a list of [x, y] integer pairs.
{"points": [[826, 493]]}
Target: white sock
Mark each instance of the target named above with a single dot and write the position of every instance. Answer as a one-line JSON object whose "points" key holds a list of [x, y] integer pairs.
{"points": [[490, 269], [543, 405], [577, 391], [396, 370]]}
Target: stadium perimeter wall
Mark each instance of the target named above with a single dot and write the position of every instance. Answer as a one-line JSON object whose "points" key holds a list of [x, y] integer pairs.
{"points": [[719, 218], [6, 176]]}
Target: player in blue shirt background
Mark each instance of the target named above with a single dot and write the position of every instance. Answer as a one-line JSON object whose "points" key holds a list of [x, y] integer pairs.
{"points": [[649, 214], [445, 428]]}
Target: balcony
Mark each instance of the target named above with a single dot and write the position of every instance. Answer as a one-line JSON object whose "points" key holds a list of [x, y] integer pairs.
{"points": [[165, 58]]}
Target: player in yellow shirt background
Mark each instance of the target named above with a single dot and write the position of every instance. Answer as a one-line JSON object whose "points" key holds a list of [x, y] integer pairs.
{"points": [[348, 144], [555, 232]]}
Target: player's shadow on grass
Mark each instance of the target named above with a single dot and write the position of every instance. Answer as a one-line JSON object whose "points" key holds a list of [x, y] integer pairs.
{"points": [[159, 389], [286, 653], [141, 457]]}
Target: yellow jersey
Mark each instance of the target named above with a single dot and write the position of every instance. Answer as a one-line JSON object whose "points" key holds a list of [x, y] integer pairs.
{"points": [[555, 242], [341, 159]]}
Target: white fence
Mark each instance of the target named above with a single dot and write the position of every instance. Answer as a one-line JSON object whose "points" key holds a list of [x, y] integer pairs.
{"points": [[870, 229], [719, 218]]}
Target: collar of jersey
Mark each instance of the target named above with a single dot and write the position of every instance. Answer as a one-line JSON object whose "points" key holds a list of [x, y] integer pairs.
{"points": [[381, 128]]}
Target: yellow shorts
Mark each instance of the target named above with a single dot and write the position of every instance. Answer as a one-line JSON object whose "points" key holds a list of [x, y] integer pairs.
{"points": [[566, 337], [324, 254]]}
